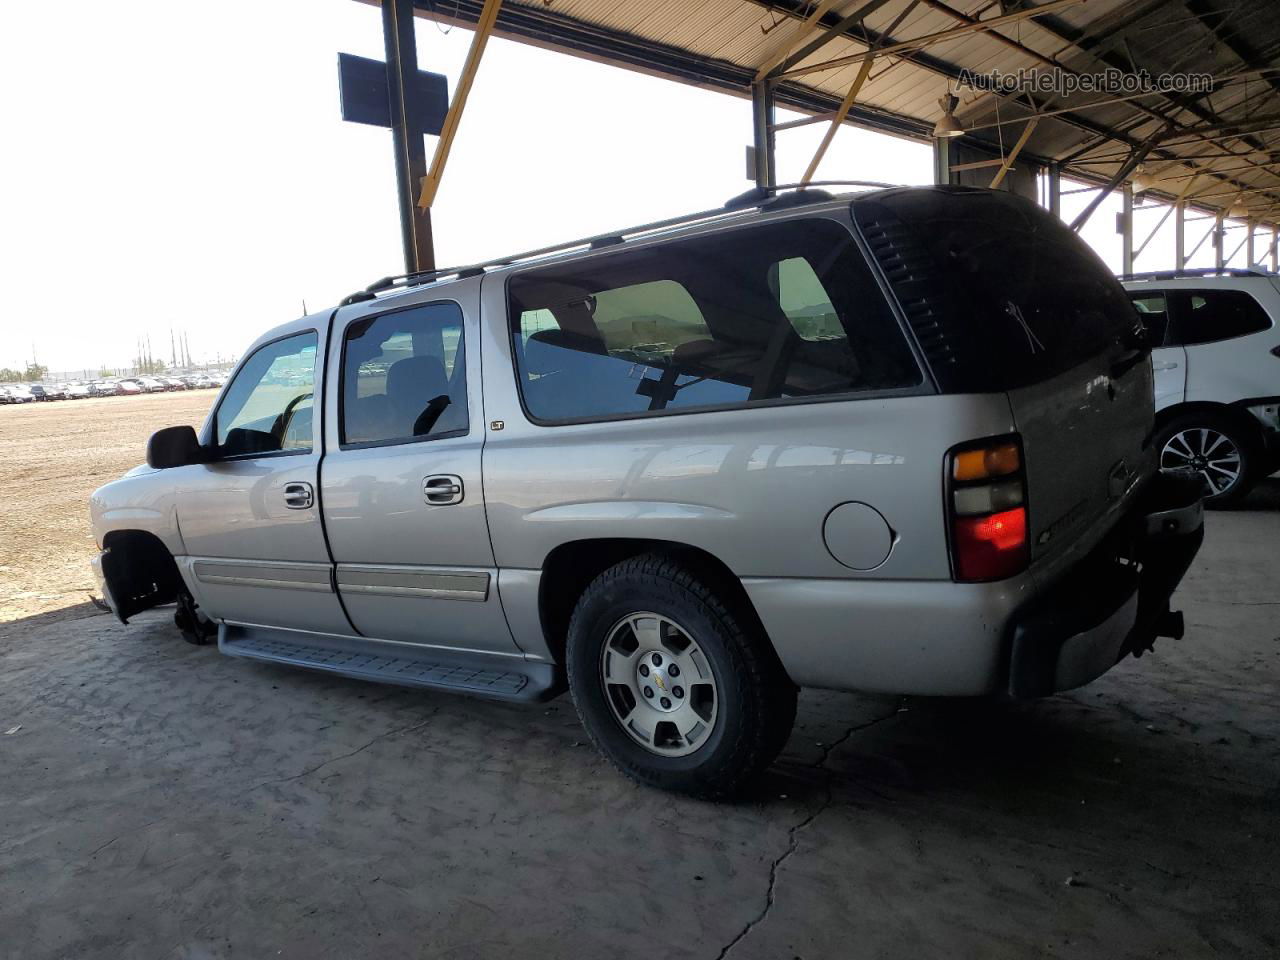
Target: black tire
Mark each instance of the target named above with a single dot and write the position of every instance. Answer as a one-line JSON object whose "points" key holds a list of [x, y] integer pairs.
{"points": [[755, 699], [1188, 425], [195, 627]]}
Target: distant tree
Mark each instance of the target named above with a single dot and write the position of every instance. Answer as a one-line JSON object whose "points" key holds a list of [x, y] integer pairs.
{"points": [[7, 374], [35, 371]]}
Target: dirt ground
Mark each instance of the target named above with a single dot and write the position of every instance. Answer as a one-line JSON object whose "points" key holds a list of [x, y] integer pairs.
{"points": [[52, 456]]}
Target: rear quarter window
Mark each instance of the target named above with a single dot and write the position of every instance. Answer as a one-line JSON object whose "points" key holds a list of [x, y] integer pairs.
{"points": [[784, 311], [1205, 316]]}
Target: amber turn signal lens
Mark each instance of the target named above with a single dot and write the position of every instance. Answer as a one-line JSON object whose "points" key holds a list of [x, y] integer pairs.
{"points": [[987, 462]]}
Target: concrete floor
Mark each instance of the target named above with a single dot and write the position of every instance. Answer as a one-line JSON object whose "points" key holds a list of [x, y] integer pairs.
{"points": [[160, 801]]}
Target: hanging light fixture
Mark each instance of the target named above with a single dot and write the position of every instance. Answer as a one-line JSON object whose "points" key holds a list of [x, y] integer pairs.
{"points": [[947, 125], [1141, 180], [1237, 210]]}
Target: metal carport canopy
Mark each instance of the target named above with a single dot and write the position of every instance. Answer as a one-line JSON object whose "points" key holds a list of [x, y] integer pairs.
{"points": [[1212, 149]]}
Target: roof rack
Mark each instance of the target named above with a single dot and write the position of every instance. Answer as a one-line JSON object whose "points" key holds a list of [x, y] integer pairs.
{"points": [[1197, 272], [763, 197]]}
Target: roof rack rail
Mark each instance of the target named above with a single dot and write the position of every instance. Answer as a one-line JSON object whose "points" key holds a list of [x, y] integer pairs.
{"points": [[1197, 272], [756, 197]]}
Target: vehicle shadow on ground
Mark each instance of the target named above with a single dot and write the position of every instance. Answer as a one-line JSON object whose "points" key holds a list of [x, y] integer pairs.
{"points": [[77, 611], [1264, 496], [1097, 757]]}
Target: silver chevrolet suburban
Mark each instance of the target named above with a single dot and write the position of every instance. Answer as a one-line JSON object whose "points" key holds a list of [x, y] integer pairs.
{"points": [[895, 441]]}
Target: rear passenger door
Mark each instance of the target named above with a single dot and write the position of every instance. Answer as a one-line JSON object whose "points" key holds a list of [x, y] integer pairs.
{"points": [[402, 498], [1168, 360], [1212, 326]]}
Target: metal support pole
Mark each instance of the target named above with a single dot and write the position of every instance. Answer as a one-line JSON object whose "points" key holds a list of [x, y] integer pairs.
{"points": [[1180, 235], [762, 133], [1126, 229], [1248, 244], [941, 159], [1055, 189], [1275, 249], [410, 149], [1219, 241]]}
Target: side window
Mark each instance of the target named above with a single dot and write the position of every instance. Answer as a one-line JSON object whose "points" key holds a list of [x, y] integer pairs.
{"points": [[404, 376], [1154, 312], [786, 310], [268, 406], [1203, 316], [804, 300]]}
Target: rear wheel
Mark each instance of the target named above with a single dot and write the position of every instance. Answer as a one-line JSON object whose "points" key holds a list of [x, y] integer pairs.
{"points": [[673, 682], [1212, 447]]}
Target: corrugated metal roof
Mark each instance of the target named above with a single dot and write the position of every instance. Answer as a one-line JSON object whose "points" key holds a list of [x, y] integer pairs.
{"points": [[723, 43]]}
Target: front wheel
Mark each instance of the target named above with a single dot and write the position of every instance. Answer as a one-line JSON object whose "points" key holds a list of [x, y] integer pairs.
{"points": [[673, 680]]}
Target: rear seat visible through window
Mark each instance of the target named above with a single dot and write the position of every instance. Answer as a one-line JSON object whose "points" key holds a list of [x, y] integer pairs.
{"points": [[782, 311], [404, 376]]}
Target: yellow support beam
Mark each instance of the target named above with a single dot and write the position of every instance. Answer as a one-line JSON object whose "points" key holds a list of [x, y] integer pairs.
{"points": [[1013, 154], [484, 27], [847, 104], [792, 34]]}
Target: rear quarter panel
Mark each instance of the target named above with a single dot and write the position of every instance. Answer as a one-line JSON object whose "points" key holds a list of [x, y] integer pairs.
{"points": [[751, 486]]}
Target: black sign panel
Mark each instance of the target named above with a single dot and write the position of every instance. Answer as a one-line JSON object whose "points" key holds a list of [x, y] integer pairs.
{"points": [[362, 84]]}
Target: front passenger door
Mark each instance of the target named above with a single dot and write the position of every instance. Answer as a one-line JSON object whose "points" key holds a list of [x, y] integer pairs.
{"points": [[250, 518]]}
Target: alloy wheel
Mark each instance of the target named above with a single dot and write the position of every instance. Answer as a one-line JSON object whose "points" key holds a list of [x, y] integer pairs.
{"points": [[659, 684], [1207, 453]]}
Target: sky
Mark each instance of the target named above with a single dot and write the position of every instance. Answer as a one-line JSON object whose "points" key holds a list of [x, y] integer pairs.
{"points": [[185, 167]]}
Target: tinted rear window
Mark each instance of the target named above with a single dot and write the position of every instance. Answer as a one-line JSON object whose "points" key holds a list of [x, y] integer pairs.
{"points": [[781, 311], [1000, 293]]}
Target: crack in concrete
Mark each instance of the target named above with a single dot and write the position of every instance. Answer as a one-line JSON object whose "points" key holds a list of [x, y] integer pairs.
{"points": [[793, 834], [102, 846], [408, 728]]}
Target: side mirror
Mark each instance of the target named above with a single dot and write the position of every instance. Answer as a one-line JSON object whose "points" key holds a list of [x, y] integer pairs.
{"points": [[174, 447]]}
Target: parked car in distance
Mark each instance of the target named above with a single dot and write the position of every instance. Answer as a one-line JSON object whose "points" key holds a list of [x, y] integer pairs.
{"points": [[19, 393], [37, 392], [129, 386], [1216, 358], [56, 391], [104, 388], [79, 390], [712, 450]]}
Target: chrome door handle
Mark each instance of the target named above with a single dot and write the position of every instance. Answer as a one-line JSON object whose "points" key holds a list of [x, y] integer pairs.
{"points": [[298, 496], [1164, 365], [442, 489]]}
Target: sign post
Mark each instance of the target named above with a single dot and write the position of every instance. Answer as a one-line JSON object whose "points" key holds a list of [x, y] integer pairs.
{"points": [[413, 103]]}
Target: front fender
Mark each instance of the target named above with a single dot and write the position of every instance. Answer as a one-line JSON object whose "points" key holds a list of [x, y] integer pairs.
{"points": [[140, 500]]}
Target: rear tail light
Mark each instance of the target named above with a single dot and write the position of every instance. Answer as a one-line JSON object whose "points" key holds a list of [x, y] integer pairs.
{"points": [[987, 510]]}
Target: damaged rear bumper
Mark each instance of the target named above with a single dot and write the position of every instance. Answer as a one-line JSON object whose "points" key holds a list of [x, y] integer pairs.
{"points": [[1115, 602]]}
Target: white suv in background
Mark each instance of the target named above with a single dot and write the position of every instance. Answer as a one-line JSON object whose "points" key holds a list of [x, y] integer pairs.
{"points": [[1217, 373]]}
